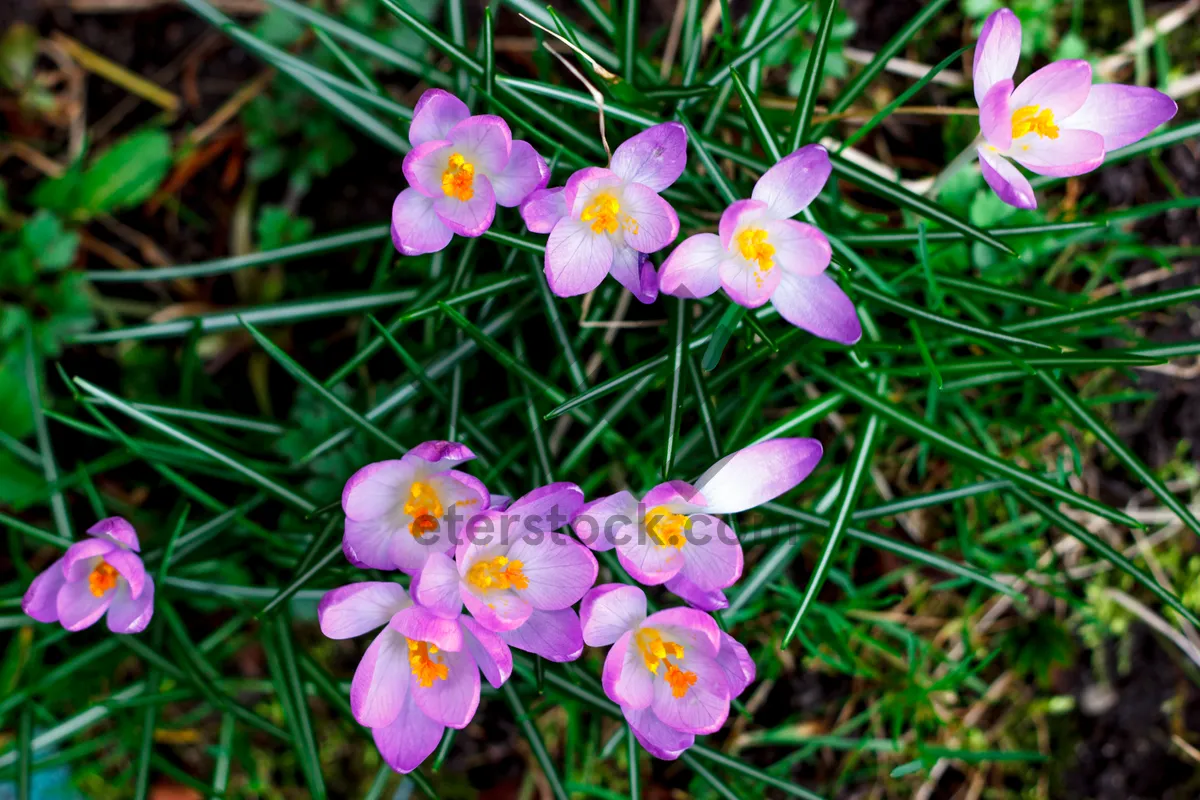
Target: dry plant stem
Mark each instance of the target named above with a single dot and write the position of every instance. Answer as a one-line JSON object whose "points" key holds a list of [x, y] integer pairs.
{"points": [[1147, 615], [1108, 67], [114, 73], [673, 38], [909, 69]]}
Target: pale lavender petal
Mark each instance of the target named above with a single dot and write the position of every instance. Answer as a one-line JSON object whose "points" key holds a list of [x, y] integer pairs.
{"points": [[422, 625], [693, 268], [381, 680], [553, 635], [737, 664], [747, 284], [1121, 114], [800, 248], [434, 115], [610, 610], [129, 614], [425, 165], [995, 115], [80, 558], [451, 701], [546, 508], [41, 598], [655, 157], [436, 587], [788, 187], [818, 305], [490, 651], [543, 209], [739, 214], [118, 530], [696, 597], [357, 608], [78, 608], [758, 474], [650, 222], [577, 258], [1005, 179], [497, 610], [416, 229], [626, 678], [658, 739], [368, 544], [559, 573], [584, 184], [600, 522], [468, 217], [410, 738], [712, 557], [996, 52], [705, 706], [635, 272], [1074, 152], [648, 562], [409, 553], [679, 496], [1061, 86], [130, 567], [440, 455], [680, 620], [484, 140], [525, 173]]}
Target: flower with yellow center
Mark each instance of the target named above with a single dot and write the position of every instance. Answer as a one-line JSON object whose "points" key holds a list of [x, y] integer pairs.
{"points": [[667, 528], [604, 213], [427, 668], [497, 573], [424, 507], [102, 579], [655, 652], [458, 180], [1028, 119]]}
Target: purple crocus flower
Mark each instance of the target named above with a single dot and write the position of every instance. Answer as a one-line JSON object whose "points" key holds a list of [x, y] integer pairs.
{"points": [[398, 512], [97, 575], [607, 220], [420, 675], [460, 167], [515, 577], [1056, 122], [762, 254], [671, 535], [672, 673]]}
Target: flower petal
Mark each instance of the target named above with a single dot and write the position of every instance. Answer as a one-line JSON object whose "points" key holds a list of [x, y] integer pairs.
{"points": [[678, 496], [424, 166], [439, 455], [584, 184], [626, 679], [116, 529], [545, 509], [468, 217], [409, 739], [409, 553], [1061, 86], [598, 522], [129, 614], [647, 561], [454, 700], [484, 140], [78, 608], [800, 248], [357, 608], [996, 52], [650, 222], [995, 115], [497, 610], [705, 706], [416, 229], [712, 556], [543, 209], [1121, 114], [524, 174], [698, 629], [1074, 152], [1006, 180], [434, 115], [746, 283], [757, 474], [788, 187], [436, 587], [422, 625], [610, 610], [368, 544], [130, 567], [80, 558], [696, 597], [818, 305], [577, 258], [635, 272], [738, 214], [381, 680], [41, 598], [553, 635], [559, 573], [490, 651], [655, 157], [659, 740], [737, 664], [693, 268]]}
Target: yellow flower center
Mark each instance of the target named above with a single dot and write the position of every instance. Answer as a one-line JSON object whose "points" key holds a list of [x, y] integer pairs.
{"points": [[103, 578], [655, 652], [1028, 119], [424, 665], [605, 215], [753, 245], [424, 507], [497, 573], [459, 178], [666, 528]]}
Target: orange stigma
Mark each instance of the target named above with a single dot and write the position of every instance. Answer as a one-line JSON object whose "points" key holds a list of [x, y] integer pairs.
{"points": [[666, 528], [424, 507], [427, 668], [102, 579], [458, 180]]}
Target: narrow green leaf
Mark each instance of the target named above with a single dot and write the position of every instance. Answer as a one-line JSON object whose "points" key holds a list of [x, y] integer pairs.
{"points": [[536, 745], [348, 63], [629, 44], [633, 751], [37, 402], [302, 727], [711, 169], [300, 581], [678, 349], [160, 576], [753, 114], [906, 238], [25, 754], [720, 337], [810, 86], [715, 783]]}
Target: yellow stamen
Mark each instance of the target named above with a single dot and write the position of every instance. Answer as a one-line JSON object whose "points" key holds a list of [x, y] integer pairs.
{"points": [[424, 507], [604, 214], [424, 665], [680, 680], [497, 573], [103, 578], [666, 528], [754, 246], [655, 652], [1028, 119], [459, 178]]}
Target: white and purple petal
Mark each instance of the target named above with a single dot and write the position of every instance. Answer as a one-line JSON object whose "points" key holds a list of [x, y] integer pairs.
{"points": [[451, 701], [996, 52], [600, 523], [468, 217], [658, 739], [381, 680], [818, 305], [525, 173], [116, 529], [490, 651], [693, 268], [355, 609], [1072, 152], [1005, 179], [609, 610], [705, 706], [41, 598], [1121, 114], [436, 112], [543, 209], [635, 272], [554, 635], [737, 664], [1061, 86], [577, 258], [800, 248], [425, 165], [696, 597], [409, 739], [995, 115], [626, 679], [436, 587], [485, 141], [757, 474], [416, 228], [78, 608], [788, 187], [650, 223], [129, 614], [655, 157]]}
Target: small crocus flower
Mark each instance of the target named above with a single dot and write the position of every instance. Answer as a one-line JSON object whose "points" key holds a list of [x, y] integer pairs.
{"points": [[1056, 122], [761, 253], [102, 574], [672, 673], [672, 533], [399, 512], [460, 167], [515, 576], [419, 676], [607, 220]]}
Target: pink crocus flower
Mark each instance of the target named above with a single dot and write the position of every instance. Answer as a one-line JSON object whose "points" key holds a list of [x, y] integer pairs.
{"points": [[419, 676], [516, 576], [672, 536], [607, 220], [1056, 122], [460, 167], [398, 512], [672, 673], [761, 253], [102, 574]]}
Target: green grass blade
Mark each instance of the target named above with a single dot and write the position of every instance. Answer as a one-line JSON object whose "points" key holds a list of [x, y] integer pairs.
{"points": [[536, 745], [810, 86], [678, 349], [753, 114]]}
